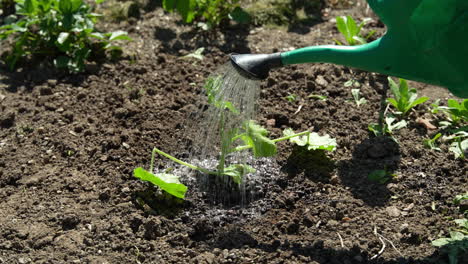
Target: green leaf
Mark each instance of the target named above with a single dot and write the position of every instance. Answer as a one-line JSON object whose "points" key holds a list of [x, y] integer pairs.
{"points": [[75, 5], [186, 9], [255, 137], [167, 182], [29, 7], [459, 148], [391, 126], [97, 35], [441, 242], [238, 171], [300, 141], [394, 88], [62, 37], [462, 223], [380, 176], [321, 142], [393, 102], [456, 236], [65, 6], [198, 54], [418, 101], [169, 5], [119, 35], [62, 62], [312, 141], [240, 15]]}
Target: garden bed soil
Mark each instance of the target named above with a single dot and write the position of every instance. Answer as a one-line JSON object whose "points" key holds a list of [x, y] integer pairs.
{"points": [[69, 144]]}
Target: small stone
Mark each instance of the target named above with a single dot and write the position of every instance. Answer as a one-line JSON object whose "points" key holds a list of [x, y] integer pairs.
{"points": [[121, 112], [271, 122], [2, 97], [334, 179], [393, 211], [320, 80], [125, 189], [70, 222], [404, 228], [40, 130], [409, 207], [52, 82], [332, 223], [125, 145]]}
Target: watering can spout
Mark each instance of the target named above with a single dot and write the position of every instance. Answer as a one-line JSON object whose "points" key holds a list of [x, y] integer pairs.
{"points": [[424, 42]]}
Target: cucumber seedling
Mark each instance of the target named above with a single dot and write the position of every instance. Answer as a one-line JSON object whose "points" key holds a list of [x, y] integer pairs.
{"points": [[247, 137]]}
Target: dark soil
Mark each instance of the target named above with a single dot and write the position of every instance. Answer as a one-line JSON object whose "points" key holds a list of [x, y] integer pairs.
{"points": [[69, 144]]}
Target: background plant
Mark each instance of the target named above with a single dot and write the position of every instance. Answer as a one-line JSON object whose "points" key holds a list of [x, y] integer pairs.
{"points": [[357, 97], [211, 13], [351, 31], [62, 30]]}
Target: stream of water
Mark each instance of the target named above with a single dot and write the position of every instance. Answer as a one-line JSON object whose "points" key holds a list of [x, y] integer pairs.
{"points": [[205, 147]]}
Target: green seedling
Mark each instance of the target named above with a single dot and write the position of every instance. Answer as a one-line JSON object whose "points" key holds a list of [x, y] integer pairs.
{"points": [[459, 142], [457, 111], [435, 106], [249, 137], [352, 83], [381, 176], [404, 98], [198, 54], [317, 97], [291, 98], [351, 31], [459, 148], [458, 241], [431, 143], [388, 126], [62, 30], [357, 97]]}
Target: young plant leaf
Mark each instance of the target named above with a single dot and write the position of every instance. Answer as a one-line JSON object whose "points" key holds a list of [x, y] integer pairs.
{"points": [[312, 141], [238, 171], [255, 137], [459, 148], [167, 182]]}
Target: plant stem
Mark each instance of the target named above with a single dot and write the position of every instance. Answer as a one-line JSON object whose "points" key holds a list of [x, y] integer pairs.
{"points": [[274, 140], [291, 136], [191, 166]]}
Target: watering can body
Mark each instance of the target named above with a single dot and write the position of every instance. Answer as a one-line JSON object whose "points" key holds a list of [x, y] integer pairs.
{"points": [[426, 41]]}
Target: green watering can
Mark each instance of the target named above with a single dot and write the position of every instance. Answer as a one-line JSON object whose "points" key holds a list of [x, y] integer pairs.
{"points": [[426, 41]]}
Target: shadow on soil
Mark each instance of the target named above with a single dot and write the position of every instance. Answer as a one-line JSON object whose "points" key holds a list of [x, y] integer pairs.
{"points": [[315, 165], [228, 40], [373, 154], [316, 251]]}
